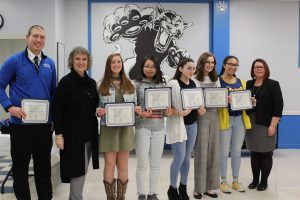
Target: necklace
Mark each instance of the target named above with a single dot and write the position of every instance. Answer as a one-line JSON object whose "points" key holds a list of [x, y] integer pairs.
{"points": [[255, 88], [117, 83]]}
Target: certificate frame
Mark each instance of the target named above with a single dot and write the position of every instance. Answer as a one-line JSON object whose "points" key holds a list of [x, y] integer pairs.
{"points": [[213, 97], [192, 98], [119, 114], [159, 98], [240, 100], [37, 111]]}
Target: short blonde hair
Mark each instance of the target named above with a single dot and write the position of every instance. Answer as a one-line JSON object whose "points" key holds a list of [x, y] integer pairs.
{"points": [[34, 27], [79, 50]]}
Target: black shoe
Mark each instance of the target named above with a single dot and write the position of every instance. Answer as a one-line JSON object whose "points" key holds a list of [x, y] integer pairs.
{"points": [[173, 194], [197, 195], [262, 187], [212, 195], [142, 197], [182, 192], [252, 185]]}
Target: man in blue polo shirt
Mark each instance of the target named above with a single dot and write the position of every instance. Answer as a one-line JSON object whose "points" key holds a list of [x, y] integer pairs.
{"points": [[31, 75]]}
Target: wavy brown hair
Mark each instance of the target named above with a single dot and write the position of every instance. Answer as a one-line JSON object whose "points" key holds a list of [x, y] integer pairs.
{"points": [[200, 68], [126, 84]]}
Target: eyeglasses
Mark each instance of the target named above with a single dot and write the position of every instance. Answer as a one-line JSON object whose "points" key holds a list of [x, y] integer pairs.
{"points": [[259, 67], [209, 63], [236, 65]]}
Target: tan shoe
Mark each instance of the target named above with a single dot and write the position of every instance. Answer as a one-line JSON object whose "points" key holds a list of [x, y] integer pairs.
{"points": [[238, 186], [224, 187]]}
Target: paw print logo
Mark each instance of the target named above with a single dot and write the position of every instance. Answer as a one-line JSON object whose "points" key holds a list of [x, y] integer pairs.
{"points": [[126, 22], [222, 6]]}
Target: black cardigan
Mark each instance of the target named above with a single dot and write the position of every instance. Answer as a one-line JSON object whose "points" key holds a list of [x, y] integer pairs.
{"points": [[75, 105], [269, 101]]}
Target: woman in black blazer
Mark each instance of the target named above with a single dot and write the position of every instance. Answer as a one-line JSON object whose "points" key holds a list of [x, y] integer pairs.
{"points": [[75, 122], [260, 140]]}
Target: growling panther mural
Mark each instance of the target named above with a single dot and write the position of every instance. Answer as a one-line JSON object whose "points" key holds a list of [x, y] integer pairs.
{"points": [[153, 30]]}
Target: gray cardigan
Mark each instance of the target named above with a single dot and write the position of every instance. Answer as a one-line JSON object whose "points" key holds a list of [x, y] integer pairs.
{"points": [[149, 123]]}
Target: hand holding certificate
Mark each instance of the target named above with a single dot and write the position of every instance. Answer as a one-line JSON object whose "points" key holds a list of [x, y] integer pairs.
{"points": [[37, 111], [158, 98], [192, 98], [119, 114], [241, 100]]}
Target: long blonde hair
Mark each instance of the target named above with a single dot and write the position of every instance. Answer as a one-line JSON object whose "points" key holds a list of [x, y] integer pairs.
{"points": [[126, 84]]}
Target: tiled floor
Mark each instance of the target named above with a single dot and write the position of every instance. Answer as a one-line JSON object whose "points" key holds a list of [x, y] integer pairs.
{"points": [[5, 166], [284, 182]]}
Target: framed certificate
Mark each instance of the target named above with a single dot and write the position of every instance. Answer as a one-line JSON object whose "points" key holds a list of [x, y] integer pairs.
{"points": [[158, 98], [37, 111], [192, 98], [241, 100], [216, 97], [119, 114]]}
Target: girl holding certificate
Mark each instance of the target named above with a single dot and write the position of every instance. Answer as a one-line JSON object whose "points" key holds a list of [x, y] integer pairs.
{"points": [[75, 123], [181, 129], [232, 125], [265, 116], [150, 130], [115, 142], [206, 151]]}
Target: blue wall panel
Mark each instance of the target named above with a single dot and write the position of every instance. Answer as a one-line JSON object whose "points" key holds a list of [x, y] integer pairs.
{"points": [[289, 132], [220, 31]]}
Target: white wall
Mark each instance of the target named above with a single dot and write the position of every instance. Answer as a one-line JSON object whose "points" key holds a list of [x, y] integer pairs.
{"points": [[19, 15], [60, 20], [268, 30], [76, 24]]}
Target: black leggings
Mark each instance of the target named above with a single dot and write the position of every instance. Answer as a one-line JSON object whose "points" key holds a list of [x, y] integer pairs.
{"points": [[261, 162]]}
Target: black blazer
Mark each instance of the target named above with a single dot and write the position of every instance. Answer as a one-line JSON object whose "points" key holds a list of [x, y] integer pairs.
{"points": [[75, 105], [269, 101]]}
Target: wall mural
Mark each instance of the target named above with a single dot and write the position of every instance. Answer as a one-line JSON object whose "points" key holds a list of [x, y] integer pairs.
{"points": [[136, 30], [152, 30]]}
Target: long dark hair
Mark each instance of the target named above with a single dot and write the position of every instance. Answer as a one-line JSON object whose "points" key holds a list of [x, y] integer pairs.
{"points": [[200, 67], [225, 61], [158, 75], [181, 63]]}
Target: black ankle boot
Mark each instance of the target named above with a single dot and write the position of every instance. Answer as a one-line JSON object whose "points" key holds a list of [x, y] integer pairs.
{"points": [[173, 194], [262, 186], [182, 192], [253, 185]]}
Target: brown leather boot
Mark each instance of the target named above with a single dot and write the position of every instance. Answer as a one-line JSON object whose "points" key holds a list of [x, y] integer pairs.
{"points": [[110, 189], [121, 189]]}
